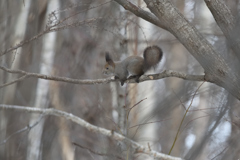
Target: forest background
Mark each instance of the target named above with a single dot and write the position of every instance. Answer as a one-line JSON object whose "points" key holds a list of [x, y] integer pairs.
{"points": [[56, 104]]}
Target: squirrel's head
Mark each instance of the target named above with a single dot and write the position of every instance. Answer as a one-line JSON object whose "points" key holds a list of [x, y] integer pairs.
{"points": [[109, 67]]}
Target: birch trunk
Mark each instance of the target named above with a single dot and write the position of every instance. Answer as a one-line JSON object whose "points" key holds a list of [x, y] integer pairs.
{"points": [[41, 101], [9, 92]]}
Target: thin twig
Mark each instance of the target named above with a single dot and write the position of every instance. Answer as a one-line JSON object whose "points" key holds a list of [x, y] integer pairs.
{"points": [[194, 120], [48, 30], [27, 128], [148, 123], [128, 121], [183, 119], [96, 152], [220, 152], [14, 81], [180, 100], [134, 106]]}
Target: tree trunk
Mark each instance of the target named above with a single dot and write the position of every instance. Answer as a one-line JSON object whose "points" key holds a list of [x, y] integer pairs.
{"points": [[41, 101]]}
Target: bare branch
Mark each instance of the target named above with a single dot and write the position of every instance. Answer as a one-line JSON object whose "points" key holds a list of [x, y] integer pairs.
{"points": [[142, 124], [56, 78], [27, 128], [164, 74], [74, 24], [170, 73], [141, 13], [14, 81], [116, 136], [129, 110]]}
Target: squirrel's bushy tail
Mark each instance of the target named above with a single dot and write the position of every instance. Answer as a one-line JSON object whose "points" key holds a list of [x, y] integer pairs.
{"points": [[152, 56]]}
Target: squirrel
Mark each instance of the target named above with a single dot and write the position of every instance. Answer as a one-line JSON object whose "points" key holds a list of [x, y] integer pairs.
{"points": [[133, 66]]}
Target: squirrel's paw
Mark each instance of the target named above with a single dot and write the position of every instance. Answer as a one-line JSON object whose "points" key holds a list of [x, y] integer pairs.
{"points": [[113, 77]]}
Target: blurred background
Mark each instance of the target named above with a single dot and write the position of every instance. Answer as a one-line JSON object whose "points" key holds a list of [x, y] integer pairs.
{"points": [[81, 32]]}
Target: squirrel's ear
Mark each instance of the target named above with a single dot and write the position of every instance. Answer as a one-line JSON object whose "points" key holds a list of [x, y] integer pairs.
{"points": [[108, 57]]}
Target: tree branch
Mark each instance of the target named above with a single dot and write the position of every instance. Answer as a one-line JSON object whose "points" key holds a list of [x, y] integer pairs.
{"points": [[226, 22], [116, 136], [14, 81], [164, 74], [141, 13], [27, 128], [170, 73], [54, 78]]}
